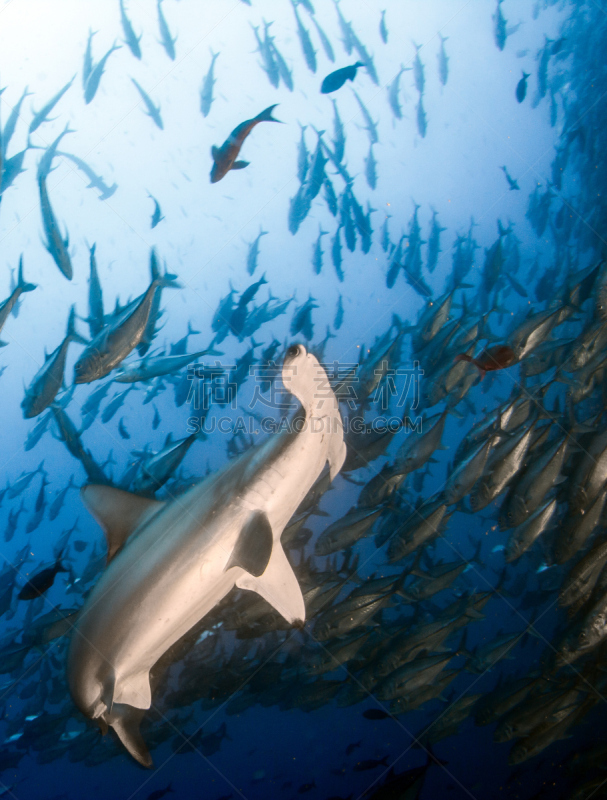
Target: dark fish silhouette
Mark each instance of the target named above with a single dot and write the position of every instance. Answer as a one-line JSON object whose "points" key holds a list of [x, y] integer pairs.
{"points": [[335, 80], [521, 87], [498, 357], [41, 581], [224, 157]]}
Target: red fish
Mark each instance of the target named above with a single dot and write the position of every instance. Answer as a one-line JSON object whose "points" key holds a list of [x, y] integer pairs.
{"points": [[498, 357], [224, 157]]}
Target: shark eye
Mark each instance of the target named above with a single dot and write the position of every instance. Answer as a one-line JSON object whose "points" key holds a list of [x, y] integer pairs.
{"points": [[293, 351]]}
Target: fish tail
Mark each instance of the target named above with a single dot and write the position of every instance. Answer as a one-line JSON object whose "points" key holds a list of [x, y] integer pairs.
{"points": [[22, 283], [72, 333], [464, 357], [266, 115]]}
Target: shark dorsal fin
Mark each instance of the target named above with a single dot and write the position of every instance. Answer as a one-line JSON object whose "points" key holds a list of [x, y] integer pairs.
{"points": [[254, 545], [119, 513]]}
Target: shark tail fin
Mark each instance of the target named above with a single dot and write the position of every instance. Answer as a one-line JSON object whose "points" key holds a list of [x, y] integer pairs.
{"points": [[22, 283], [125, 721]]}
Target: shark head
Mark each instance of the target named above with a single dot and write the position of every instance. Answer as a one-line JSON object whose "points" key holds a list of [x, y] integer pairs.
{"points": [[304, 377]]}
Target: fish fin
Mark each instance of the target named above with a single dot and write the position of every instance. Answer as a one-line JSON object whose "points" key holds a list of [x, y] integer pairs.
{"points": [[22, 283], [253, 548], [132, 690], [3, 344], [240, 164], [118, 512], [125, 721], [214, 152], [71, 328], [278, 585], [266, 115]]}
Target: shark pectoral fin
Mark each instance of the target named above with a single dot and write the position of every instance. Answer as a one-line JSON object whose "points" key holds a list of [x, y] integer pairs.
{"points": [[337, 451], [119, 513], [214, 152], [278, 585], [240, 164], [133, 690], [125, 721], [253, 548]]}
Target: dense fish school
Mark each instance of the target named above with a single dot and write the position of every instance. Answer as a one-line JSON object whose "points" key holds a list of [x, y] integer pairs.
{"points": [[318, 496]]}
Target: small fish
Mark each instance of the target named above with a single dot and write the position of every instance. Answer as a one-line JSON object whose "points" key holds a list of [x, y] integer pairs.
{"points": [[371, 169], [87, 66], [122, 429], [11, 301], [324, 40], [42, 581], [42, 115], [156, 421], [206, 90], [418, 71], [157, 216], [152, 110], [129, 34], [521, 87], [253, 253], [318, 253], [308, 50], [370, 125], [335, 80], [511, 182], [383, 31], [94, 79], [166, 40], [498, 357], [443, 61], [421, 119], [336, 254], [224, 157], [499, 30], [339, 314]]}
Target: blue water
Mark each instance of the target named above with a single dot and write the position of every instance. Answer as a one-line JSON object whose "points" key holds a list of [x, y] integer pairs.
{"points": [[475, 125]]}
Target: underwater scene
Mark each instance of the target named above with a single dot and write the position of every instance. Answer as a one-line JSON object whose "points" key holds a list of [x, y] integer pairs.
{"points": [[304, 368]]}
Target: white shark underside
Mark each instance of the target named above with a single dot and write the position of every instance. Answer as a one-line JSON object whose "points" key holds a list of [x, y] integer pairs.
{"points": [[176, 561]]}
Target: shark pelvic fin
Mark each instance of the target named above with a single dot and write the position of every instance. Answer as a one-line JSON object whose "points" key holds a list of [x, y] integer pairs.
{"points": [[125, 721], [253, 548], [133, 690], [119, 513], [278, 585]]}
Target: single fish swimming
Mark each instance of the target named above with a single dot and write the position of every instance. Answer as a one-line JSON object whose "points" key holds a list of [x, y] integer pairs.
{"points": [[224, 157], [335, 80]]}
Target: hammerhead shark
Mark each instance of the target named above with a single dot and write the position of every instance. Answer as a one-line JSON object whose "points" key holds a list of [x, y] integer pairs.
{"points": [[170, 563]]}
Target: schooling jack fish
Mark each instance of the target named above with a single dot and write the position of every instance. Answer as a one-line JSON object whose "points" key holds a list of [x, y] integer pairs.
{"points": [[224, 532], [224, 157]]}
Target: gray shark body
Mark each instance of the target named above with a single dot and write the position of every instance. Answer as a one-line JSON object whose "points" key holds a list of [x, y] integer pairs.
{"points": [[171, 563]]}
